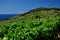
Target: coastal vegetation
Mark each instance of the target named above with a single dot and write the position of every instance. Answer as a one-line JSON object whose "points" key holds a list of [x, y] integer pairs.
{"points": [[36, 24]]}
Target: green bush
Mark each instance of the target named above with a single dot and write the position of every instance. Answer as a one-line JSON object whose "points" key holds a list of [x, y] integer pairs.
{"points": [[36, 29]]}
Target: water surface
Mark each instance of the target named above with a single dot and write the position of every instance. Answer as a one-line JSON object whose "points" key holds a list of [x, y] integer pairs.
{"points": [[3, 16]]}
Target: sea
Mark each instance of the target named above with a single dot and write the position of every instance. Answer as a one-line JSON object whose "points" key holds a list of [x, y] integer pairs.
{"points": [[3, 16]]}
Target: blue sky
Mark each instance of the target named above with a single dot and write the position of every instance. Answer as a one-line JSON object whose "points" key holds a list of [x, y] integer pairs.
{"points": [[21, 6]]}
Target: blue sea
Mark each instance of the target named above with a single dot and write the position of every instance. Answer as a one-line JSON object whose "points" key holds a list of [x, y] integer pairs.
{"points": [[3, 16]]}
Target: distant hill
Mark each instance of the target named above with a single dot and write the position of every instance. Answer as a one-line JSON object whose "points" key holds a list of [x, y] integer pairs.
{"points": [[39, 12], [36, 24]]}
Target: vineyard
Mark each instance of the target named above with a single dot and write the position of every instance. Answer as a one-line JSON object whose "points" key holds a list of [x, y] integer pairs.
{"points": [[37, 28]]}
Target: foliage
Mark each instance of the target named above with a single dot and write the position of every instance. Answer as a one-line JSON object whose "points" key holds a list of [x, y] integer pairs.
{"points": [[30, 29]]}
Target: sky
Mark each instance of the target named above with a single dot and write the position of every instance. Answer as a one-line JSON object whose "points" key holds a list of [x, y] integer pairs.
{"points": [[21, 6]]}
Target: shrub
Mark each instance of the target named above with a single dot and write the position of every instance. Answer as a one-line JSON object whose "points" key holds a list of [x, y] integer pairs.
{"points": [[37, 29]]}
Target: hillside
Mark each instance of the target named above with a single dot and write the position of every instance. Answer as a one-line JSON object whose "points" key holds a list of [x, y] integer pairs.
{"points": [[36, 24], [40, 12]]}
